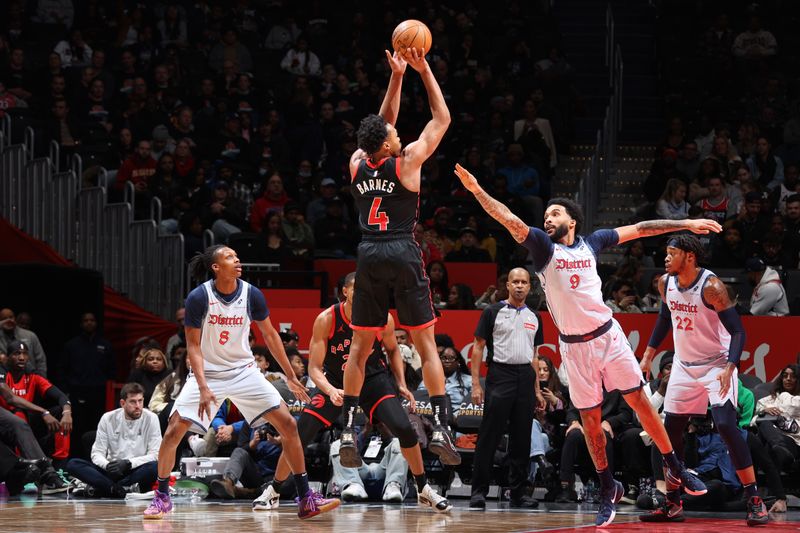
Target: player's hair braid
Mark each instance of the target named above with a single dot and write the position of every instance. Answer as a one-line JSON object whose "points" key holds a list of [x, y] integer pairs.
{"points": [[200, 264], [689, 244]]}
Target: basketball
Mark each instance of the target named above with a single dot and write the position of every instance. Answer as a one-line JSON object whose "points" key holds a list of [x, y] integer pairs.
{"points": [[411, 34]]}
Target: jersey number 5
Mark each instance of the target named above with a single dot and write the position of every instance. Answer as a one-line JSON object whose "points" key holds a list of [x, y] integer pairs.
{"points": [[684, 323], [224, 336], [378, 218]]}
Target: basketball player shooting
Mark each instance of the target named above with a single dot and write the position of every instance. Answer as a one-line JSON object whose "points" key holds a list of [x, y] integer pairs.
{"points": [[709, 337], [385, 187], [593, 346], [328, 356], [218, 317]]}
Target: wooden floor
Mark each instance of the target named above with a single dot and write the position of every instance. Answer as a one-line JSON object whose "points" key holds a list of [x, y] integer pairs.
{"points": [[101, 516]]}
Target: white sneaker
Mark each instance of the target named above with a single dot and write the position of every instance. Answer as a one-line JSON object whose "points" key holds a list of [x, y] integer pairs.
{"points": [[354, 492], [198, 445], [268, 500], [392, 493], [433, 499]]}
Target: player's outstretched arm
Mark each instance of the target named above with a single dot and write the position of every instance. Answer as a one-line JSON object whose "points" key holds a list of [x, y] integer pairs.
{"points": [[316, 356], [498, 211], [390, 107], [273, 341], [420, 150], [649, 228]]}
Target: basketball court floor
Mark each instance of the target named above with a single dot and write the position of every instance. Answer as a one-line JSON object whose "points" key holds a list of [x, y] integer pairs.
{"points": [[101, 516]]}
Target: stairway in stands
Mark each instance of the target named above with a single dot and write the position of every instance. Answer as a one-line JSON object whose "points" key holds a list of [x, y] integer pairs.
{"points": [[623, 192]]}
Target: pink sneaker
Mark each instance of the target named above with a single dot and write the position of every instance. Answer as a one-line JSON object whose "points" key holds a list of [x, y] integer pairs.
{"points": [[313, 504], [160, 506]]}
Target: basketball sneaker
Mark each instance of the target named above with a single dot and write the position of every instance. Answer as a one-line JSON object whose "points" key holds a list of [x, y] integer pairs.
{"points": [[348, 450], [433, 499], [667, 512], [692, 484], [268, 500], [442, 445], [608, 499], [160, 506], [313, 504], [757, 514]]}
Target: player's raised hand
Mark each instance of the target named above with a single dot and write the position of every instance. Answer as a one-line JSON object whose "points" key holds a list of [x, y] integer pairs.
{"points": [[207, 399], [396, 62], [704, 225], [297, 388], [416, 59], [467, 179]]}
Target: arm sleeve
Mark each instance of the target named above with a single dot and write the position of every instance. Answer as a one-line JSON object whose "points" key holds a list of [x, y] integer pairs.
{"points": [[662, 327], [539, 339], [258, 305], [196, 305], [733, 323], [54, 394], [100, 446], [602, 239], [540, 246]]}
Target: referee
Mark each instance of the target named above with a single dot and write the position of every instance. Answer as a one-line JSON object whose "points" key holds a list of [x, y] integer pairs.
{"points": [[511, 332]]}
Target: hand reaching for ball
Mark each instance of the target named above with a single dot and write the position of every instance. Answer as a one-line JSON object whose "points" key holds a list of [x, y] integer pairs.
{"points": [[416, 59], [396, 62]]}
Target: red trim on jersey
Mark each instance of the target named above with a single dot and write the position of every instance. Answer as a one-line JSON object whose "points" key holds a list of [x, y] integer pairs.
{"points": [[377, 404], [322, 418], [354, 172], [341, 313], [333, 322], [421, 326], [372, 165], [368, 328], [397, 167]]}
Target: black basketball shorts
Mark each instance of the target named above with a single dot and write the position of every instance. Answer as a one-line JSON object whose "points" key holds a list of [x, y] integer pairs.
{"points": [[377, 388], [388, 265]]}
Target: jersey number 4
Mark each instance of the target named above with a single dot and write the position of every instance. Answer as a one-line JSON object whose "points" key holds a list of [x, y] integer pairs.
{"points": [[684, 323], [376, 217]]}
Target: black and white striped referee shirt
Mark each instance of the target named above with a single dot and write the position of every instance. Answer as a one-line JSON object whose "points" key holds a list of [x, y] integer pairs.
{"points": [[511, 333]]}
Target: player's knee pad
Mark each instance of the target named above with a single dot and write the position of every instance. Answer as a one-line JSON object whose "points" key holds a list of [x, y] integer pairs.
{"points": [[406, 435], [728, 429]]}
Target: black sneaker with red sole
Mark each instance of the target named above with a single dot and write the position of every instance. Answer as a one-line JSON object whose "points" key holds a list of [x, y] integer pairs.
{"points": [[666, 512], [757, 514]]}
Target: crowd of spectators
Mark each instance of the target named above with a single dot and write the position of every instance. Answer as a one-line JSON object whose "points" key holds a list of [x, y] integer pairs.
{"points": [[241, 118]]}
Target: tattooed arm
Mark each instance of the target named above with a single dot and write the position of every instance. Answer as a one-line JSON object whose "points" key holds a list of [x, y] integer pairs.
{"points": [[649, 228], [497, 210]]}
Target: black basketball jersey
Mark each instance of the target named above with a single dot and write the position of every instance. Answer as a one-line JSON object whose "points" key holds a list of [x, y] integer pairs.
{"points": [[339, 340], [385, 207]]}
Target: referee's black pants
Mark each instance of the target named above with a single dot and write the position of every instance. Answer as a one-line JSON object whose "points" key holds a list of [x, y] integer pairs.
{"points": [[510, 400]]}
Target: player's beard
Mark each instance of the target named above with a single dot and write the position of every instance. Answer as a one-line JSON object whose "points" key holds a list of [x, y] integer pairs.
{"points": [[559, 232]]}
